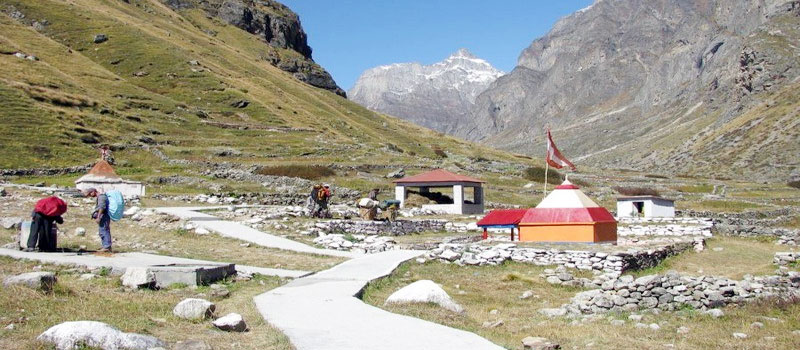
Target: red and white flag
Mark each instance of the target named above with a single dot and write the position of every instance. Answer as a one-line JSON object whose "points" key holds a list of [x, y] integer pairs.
{"points": [[554, 157]]}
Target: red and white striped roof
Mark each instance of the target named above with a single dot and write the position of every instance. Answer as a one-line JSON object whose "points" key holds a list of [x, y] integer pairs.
{"points": [[567, 204]]}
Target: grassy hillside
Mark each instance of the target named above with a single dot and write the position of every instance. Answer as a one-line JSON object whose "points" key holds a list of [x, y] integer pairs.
{"points": [[172, 78]]}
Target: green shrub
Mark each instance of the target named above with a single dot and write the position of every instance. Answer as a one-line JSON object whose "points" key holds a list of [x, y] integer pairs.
{"points": [[440, 153], [636, 191], [795, 184], [536, 173], [308, 172]]}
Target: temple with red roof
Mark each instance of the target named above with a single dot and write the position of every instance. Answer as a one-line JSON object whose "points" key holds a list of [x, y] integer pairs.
{"points": [[467, 192], [103, 177], [565, 215]]}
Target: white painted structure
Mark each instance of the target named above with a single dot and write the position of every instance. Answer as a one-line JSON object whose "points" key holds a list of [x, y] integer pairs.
{"points": [[444, 179], [645, 207], [104, 179]]}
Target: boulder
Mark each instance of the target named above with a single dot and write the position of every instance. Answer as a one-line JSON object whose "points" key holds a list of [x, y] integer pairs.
{"points": [[231, 322], [131, 211], [77, 334], [42, 280], [560, 311], [138, 277], [424, 291], [397, 174], [11, 223], [715, 313], [191, 345], [100, 38], [194, 309], [538, 343]]}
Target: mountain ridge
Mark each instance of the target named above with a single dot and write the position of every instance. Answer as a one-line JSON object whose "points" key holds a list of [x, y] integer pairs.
{"points": [[656, 86], [436, 96]]}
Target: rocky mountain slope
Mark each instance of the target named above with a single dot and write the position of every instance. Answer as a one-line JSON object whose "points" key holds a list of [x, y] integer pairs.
{"points": [[274, 23], [171, 84], [436, 96], [688, 86]]}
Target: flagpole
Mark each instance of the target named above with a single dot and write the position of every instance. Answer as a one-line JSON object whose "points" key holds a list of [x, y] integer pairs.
{"points": [[546, 167], [546, 164]]}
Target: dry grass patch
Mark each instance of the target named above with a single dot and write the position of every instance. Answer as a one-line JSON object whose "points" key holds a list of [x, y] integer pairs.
{"points": [[145, 311], [487, 288], [733, 258]]}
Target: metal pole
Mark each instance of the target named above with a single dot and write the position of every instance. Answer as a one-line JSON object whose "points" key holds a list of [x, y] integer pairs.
{"points": [[546, 167]]}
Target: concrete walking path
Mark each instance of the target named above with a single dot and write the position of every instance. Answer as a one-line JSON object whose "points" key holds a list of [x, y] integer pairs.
{"points": [[246, 233], [323, 312], [120, 261]]}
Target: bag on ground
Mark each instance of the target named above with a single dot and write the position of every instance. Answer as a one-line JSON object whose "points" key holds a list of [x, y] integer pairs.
{"points": [[24, 233], [116, 205]]}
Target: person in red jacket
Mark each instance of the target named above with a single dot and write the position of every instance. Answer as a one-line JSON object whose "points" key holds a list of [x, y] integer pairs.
{"points": [[47, 212]]}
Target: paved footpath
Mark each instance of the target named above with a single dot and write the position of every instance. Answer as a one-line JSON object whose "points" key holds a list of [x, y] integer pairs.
{"points": [[323, 312], [121, 261], [245, 233]]}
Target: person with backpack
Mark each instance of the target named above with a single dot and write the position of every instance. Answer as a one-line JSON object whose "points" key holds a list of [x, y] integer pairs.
{"points": [[43, 233], [109, 207]]}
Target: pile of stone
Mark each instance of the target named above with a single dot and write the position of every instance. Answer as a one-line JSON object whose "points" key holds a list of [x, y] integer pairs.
{"points": [[396, 228], [562, 277], [672, 291], [786, 258], [682, 227], [357, 243], [789, 237], [632, 259]]}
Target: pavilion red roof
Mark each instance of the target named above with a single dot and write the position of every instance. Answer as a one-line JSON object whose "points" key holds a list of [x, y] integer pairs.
{"points": [[438, 175], [503, 217]]}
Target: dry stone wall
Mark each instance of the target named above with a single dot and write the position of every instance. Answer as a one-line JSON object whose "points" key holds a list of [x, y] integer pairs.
{"points": [[677, 227], [672, 291], [616, 262]]}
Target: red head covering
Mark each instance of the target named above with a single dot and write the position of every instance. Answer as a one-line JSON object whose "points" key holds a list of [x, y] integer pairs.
{"points": [[51, 206]]}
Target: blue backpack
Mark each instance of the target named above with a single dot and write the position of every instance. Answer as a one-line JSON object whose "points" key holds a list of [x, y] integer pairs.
{"points": [[116, 205]]}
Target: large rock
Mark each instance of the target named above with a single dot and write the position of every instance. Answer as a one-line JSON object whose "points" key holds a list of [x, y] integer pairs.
{"points": [[539, 343], [80, 334], [11, 222], [138, 277], [192, 345], [194, 309], [42, 280], [231, 322], [424, 291]]}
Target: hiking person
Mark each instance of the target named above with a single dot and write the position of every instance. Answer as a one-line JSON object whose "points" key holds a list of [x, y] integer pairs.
{"points": [[43, 232], [311, 202], [101, 216], [373, 194], [323, 196]]}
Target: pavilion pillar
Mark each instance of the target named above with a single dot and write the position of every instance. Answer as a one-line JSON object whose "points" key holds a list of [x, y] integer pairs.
{"points": [[485, 233], [458, 198], [400, 195]]}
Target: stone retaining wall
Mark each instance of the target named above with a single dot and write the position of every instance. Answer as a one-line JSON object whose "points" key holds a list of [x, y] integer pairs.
{"points": [[672, 291], [617, 262], [396, 228], [678, 226]]}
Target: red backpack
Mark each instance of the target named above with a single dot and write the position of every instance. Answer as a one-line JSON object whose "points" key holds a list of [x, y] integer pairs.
{"points": [[51, 206]]}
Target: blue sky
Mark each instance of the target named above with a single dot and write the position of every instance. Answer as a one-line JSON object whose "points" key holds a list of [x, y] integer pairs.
{"points": [[350, 36]]}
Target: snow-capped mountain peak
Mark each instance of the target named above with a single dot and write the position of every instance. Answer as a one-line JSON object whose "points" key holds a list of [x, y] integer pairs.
{"points": [[434, 96]]}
